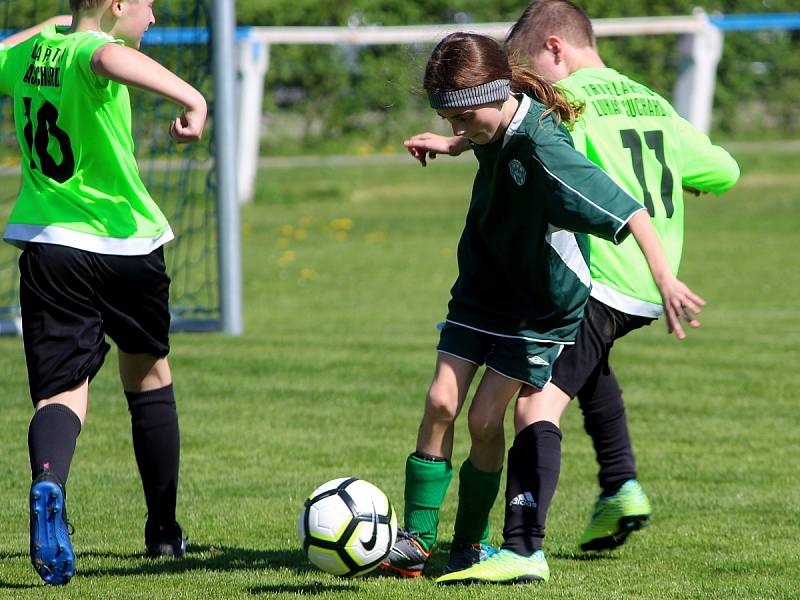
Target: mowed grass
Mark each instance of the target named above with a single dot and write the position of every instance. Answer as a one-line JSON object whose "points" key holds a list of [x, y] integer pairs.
{"points": [[347, 271]]}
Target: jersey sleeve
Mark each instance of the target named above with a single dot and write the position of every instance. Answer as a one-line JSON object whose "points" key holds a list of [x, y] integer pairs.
{"points": [[705, 167], [581, 198], [98, 84]]}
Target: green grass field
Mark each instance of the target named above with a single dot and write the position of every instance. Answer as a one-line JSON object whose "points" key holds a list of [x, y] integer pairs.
{"points": [[347, 272]]}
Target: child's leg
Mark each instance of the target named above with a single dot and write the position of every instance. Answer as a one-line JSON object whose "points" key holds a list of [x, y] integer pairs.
{"points": [[52, 437], [605, 421], [479, 477], [54, 429], [428, 470], [533, 469], [534, 463], [64, 339], [583, 371], [147, 382]]}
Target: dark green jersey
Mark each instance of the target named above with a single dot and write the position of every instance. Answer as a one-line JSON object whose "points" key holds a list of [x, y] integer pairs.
{"points": [[651, 151], [80, 182], [522, 271]]}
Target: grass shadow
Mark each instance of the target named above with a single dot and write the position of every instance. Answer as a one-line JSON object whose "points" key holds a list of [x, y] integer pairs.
{"points": [[311, 589], [583, 557], [7, 585], [208, 558]]}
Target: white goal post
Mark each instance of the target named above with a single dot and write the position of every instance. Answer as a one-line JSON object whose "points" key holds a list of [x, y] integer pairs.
{"points": [[699, 46]]}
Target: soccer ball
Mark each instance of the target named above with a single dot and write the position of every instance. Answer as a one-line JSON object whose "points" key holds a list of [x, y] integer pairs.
{"points": [[347, 527]]}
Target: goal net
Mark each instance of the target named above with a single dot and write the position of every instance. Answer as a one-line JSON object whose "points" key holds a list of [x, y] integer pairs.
{"points": [[181, 179]]}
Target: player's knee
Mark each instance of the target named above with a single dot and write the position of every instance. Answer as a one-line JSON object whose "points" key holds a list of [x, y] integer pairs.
{"points": [[441, 404], [483, 427]]}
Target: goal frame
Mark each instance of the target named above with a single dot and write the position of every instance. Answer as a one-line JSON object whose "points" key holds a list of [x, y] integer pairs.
{"points": [[699, 45]]}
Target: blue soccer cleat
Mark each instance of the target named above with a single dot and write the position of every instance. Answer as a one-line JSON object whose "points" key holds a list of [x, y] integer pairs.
{"points": [[51, 549]]}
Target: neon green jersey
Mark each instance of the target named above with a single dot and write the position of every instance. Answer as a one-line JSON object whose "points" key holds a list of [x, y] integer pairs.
{"points": [[649, 150], [80, 182]]}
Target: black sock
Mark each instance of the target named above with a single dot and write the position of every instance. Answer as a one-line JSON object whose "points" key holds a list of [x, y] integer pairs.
{"points": [[534, 463], [156, 444], [605, 421], [52, 436]]}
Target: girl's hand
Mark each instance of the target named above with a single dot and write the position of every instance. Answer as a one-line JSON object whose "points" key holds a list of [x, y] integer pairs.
{"points": [[680, 303], [424, 145]]}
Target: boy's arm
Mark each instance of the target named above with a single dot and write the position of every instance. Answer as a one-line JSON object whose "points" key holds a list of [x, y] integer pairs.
{"points": [[427, 144], [23, 35], [131, 67], [583, 198], [679, 301], [706, 167]]}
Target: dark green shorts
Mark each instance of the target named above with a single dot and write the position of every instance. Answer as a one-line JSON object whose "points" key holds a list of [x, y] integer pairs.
{"points": [[525, 361]]}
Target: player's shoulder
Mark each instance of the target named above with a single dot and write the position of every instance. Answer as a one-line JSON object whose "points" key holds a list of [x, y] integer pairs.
{"points": [[603, 81], [89, 41], [536, 135], [534, 119]]}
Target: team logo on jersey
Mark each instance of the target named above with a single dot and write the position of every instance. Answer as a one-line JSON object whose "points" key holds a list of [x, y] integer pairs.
{"points": [[518, 173]]}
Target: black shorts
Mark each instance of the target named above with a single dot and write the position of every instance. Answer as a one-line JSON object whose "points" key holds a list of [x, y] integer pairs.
{"points": [[601, 325], [71, 299]]}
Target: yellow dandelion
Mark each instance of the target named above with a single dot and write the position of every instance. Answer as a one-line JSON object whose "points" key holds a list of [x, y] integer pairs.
{"points": [[299, 234], [342, 223], [375, 236], [306, 273], [286, 229], [364, 149], [286, 258], [247, 229], [388, 149]]}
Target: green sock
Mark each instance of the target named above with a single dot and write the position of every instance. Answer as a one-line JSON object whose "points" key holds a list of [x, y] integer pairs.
{"points": [[426, 485], [477, 491]]}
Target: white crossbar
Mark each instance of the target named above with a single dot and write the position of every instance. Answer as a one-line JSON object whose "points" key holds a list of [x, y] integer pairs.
{"points": [[412, 34]]}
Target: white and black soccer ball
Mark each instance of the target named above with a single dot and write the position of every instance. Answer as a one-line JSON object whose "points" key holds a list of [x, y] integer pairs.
{"points": [[347, 526]]}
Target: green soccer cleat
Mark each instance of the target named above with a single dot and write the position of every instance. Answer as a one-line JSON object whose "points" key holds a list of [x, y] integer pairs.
{"points": [[504, 567], [615, 517]]}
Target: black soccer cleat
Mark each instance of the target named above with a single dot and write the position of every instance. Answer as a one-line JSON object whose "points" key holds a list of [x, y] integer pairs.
{"points": [[407, 558], [165, 541], [464, 555]]}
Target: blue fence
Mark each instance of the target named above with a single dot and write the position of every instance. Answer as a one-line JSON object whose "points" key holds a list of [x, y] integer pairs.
{"points": [[756, 21]]}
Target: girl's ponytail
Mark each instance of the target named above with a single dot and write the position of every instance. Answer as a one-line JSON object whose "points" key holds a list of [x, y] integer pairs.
{"points": [[523, 79]]}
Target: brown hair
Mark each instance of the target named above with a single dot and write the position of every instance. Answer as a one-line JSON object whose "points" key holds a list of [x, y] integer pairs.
{"points": [[544, 18], [77, 5], [465, 60]]}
